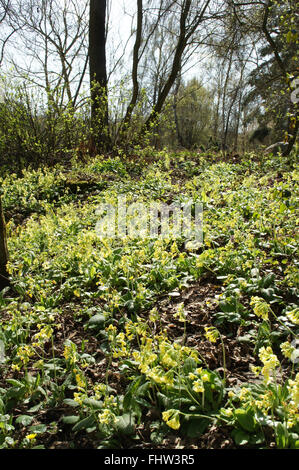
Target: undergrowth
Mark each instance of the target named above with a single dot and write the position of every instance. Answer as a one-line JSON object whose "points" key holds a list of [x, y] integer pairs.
{"points": [[144, 342]]}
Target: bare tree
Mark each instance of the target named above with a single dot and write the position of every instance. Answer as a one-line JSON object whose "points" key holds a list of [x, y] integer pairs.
{"points": [[53, 36], [189, 21], [5, 6]]}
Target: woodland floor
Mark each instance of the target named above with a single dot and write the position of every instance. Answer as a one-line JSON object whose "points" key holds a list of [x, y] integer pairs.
{"points": [[68, 288]]}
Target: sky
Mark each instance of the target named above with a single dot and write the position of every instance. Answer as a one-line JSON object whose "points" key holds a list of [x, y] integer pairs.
{"points": [[122, 21]]}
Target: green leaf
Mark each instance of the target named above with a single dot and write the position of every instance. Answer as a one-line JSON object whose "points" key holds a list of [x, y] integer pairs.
{"points": [[125, 424], [25, 420], [95, 404], [246, 419], [70, 402], [15, 383], [194, 427], [38, 428], [189, 365], [36, 407], [268, 280], [228, 305], [70, 419], [97, 320], [282, 435], [84, 423], [240, 437]]}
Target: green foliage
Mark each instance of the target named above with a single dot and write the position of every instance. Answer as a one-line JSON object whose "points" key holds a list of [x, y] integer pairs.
{"points": [[194, 114], [272, 81], [84, 336], [34, 130]]}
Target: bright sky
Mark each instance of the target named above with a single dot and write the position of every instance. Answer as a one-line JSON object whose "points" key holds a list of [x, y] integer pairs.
{"points": [[122, 20]]}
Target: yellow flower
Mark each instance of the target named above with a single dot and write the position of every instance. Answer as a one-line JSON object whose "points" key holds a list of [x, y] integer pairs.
{"points": [[293, 388], [168, 361], [198, 386], [269, 361], [70, 353], [31, 436], [24, 353], [80, 381], [244, 394], [78, 398], [205, 377], [211, 334], [172, 419], [99, 390], [293, 316], [255, 370], [287, 349], [174, 423], [192, 376], [180, 313], [106, 417], [266, 403], [174, 248], [228, 412], [260, 307], [111, 328]]}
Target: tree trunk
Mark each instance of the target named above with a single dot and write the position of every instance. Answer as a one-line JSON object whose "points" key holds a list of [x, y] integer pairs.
{"points": [[4, 281], [135, 64], [176, 118], [98, 74]]}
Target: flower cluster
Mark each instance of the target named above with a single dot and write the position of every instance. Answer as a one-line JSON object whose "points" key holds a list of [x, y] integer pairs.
{"points": [[180, 313], [293, 388], [107, 417], [260, 307], [199, 379], [270, 362], [293, 316], [43, 336], [172, 418], [211, 333], [70, 353], [24, 353], [287, 349]]}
